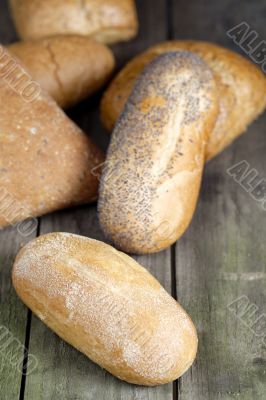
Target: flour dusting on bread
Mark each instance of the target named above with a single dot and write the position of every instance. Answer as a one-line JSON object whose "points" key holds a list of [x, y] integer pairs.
{"points": [[106, 305]]}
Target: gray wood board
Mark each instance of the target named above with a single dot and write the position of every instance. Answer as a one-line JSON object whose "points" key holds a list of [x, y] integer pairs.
{"points": [[222, 255]]}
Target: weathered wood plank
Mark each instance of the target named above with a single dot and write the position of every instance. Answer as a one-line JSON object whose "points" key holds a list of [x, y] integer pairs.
{"points": [[210, 20], [220, 259], [13, 317], [64, 373], [222, 256]]}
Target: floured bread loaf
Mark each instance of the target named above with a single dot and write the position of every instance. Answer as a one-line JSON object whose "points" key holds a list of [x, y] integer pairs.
{"points": [[241, 87], [107, 21], [152, 175], [46, 161], [107, 306], [70, 68]]}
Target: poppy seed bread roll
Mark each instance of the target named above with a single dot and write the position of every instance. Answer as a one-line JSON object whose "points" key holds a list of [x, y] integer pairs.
{"points": [[152, 175], [241, 86], [107, 306]]}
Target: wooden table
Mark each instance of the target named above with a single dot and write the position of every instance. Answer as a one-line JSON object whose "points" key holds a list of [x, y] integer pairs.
{"points": [[220, 259]]}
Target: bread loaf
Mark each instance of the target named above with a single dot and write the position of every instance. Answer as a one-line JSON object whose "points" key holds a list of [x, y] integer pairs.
{"points": [[241, 87], [107, 21], [152, 175], [107, 306], [68, 67], [46, 161]]}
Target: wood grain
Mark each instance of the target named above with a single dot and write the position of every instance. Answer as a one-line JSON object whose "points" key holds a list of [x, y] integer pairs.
{"points": [[222, 256], [13, 317]]}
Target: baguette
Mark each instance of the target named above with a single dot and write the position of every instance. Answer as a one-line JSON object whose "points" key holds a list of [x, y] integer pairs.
{"points": [[107, 21], [107, 306], [46, 161], [68, 67], [240, 84], [152, 175]]}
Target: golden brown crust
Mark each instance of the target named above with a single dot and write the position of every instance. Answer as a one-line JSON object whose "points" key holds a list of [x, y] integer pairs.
{"points": [[107, 306], [68, 67], [151, 178], [46, 160], [108, 21], [240, 84]]}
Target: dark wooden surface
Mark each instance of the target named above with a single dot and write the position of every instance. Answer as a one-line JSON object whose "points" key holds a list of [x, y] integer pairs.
{"points": [[219, 259]]}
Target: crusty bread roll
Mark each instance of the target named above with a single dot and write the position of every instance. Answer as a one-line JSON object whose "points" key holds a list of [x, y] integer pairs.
{"points": [[107, 306], [151, 178], [107, 21], [46, 161], [240, 84], [68, 67]]}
